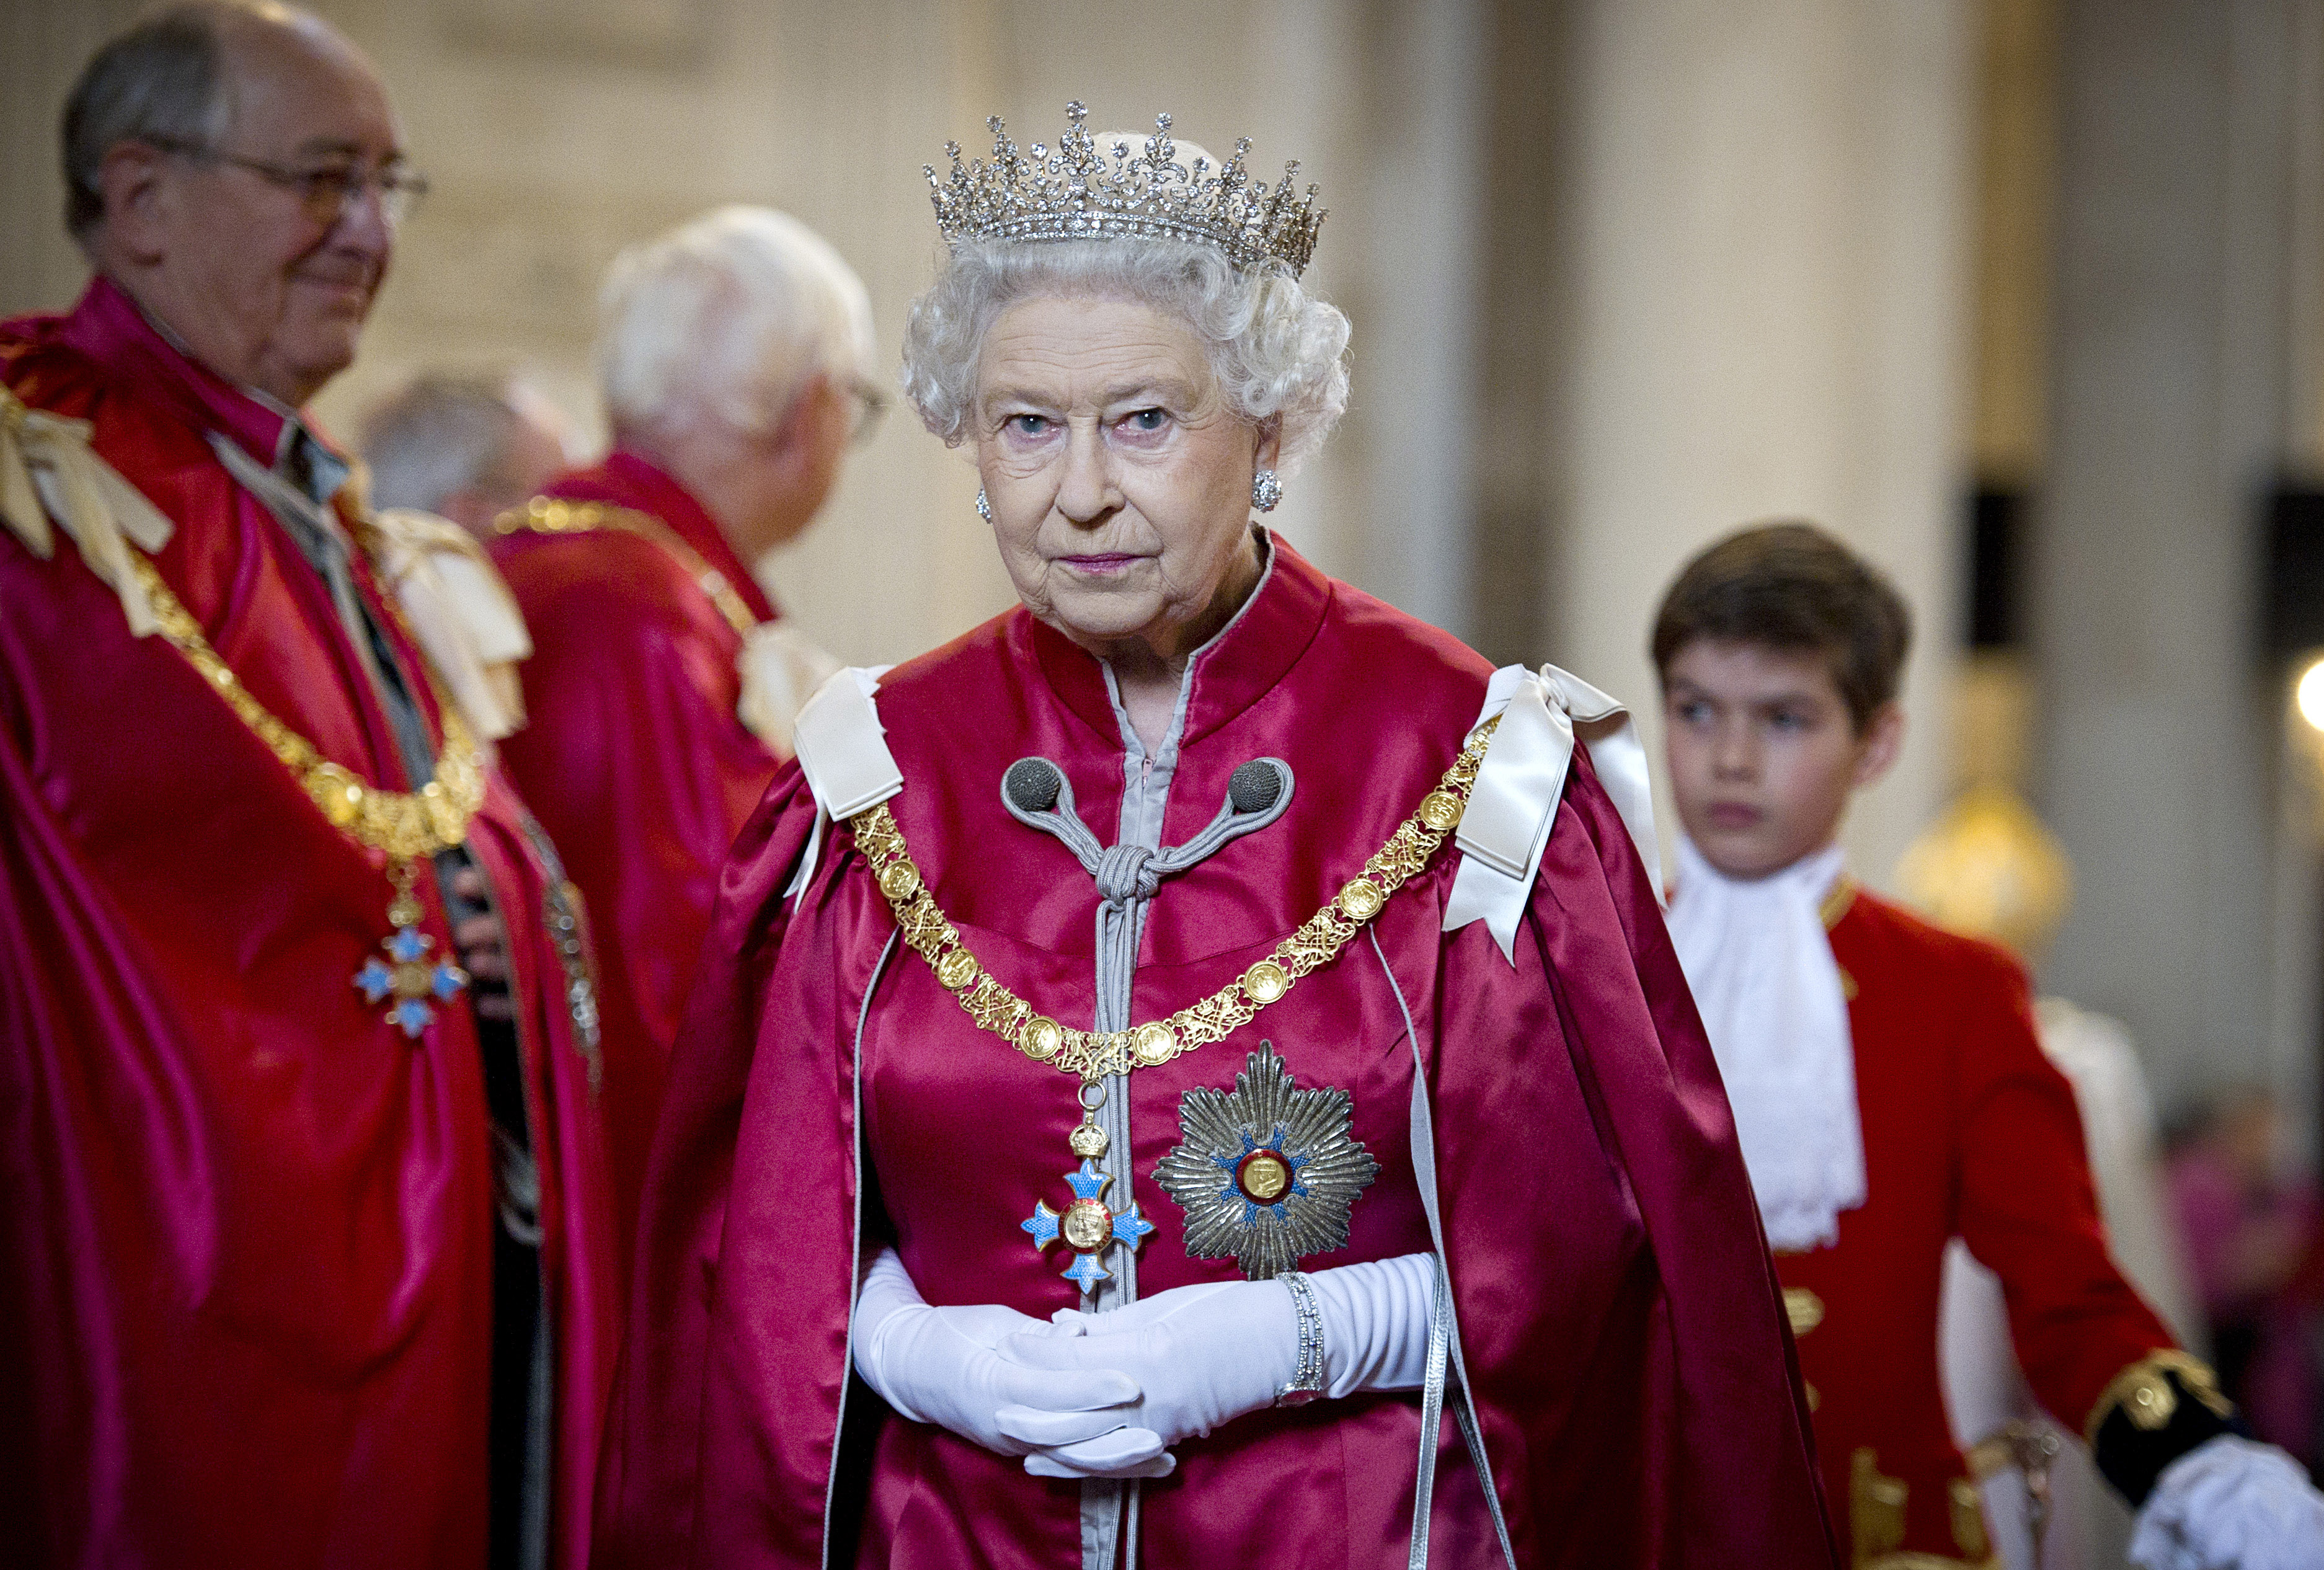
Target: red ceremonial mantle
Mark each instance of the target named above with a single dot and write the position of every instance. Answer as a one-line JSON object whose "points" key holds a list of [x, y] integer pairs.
{"points": [[246, 1291], [636, 762], [1619, 1313], [1969, 1131]]}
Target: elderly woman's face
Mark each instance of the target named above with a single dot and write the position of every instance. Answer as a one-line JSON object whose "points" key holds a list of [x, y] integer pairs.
{"points": [[1119, 480]]}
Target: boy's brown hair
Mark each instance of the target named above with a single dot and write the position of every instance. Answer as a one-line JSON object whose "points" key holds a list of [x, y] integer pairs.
{"points": [[1792, 586]]}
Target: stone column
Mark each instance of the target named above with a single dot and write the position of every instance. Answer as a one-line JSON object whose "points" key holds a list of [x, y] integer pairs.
{"points": [[2177, 399], [1768, 214]]}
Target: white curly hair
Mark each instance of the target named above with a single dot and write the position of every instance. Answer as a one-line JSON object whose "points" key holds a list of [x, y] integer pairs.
{"points": [[1280, 352], [726, 317]]}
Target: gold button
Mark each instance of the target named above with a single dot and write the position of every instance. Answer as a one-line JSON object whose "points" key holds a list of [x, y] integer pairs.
{"points": [[1263, 1176], [1042, 1037], [1439, 810], [1087, 1224], [1155, 1043], [1804, 1308], [1360, 901], [899, 880], [956, 970], [1266, 982]]}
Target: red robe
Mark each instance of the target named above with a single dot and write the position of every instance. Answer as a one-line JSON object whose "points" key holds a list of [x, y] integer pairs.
{"points": [[1621, 1321], [1969, 1131], [636, 762], [246, 1237]]}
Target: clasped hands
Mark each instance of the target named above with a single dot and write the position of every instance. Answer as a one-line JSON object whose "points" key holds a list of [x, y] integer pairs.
{"points": [[1107, 1395], [1083, 1395]]}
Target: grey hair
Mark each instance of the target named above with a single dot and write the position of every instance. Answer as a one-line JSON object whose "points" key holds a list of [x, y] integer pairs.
{"points": [[727, 317], [1280, 352], [163, 80], [439, 437]]}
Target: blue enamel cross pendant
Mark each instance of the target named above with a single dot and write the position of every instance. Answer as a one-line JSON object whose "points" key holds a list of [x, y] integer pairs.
{"points": [[1088, 1226], [413, 978]]}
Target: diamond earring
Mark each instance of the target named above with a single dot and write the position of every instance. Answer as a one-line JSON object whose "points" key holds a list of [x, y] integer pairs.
{"points": [[1265, 490], [983, 507]]}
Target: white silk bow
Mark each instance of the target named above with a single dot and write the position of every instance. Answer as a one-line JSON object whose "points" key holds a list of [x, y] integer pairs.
{"points": [[1513, 803], [842, 750], [465, 620], [782, 667], [48, 470]]}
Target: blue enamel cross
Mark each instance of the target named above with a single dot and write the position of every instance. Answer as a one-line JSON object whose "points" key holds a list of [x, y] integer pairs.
{"points": [[1088, 1226], [411, 979]]}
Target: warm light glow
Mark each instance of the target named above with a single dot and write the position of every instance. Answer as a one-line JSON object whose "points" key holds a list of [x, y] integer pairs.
{"points": [[2311, 695]]}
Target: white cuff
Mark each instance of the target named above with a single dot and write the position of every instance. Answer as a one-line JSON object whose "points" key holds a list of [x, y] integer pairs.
{"points": [[2231, 1504], [1375, 1323], [886, 1288]]}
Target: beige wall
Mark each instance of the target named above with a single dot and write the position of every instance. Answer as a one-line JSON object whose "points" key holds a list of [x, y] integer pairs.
{"points": [[1770, 264], [557, 132]]}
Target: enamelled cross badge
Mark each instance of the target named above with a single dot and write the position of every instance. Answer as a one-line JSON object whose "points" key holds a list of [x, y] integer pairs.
{"points": [[1088, 1226], [413, 978]]}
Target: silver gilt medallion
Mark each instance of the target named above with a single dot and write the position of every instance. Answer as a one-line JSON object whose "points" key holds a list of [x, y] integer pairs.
{"points": [[1268, 1173]]}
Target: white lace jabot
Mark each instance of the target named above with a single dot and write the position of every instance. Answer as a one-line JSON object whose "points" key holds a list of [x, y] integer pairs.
{"points": [[1761, 967]]}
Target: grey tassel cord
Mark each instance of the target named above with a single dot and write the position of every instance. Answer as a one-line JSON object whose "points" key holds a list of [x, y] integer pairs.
{"points": [[1037, 794]]}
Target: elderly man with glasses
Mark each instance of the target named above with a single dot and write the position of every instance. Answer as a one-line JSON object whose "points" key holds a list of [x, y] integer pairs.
{"points": [[304, 1245], [735, 353]]}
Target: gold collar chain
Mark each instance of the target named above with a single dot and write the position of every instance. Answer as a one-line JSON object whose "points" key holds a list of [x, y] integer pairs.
{"points": [[1093, 1055], [405, 824], [410, 979], [549, 515]]}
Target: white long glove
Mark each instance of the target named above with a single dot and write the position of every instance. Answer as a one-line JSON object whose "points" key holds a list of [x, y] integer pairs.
{"points": [[2231, 1504], [938, 1365], [1203, 1355]]}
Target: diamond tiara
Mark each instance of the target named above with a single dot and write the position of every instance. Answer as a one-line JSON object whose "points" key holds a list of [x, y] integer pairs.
{"points": [[1081, 192]]}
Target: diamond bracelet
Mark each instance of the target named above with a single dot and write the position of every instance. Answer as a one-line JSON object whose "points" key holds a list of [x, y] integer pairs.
{"points": [[1307, 1381]]}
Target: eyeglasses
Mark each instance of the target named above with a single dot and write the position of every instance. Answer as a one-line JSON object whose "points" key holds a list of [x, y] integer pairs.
{"points": [[326, 193], [874, 404]]}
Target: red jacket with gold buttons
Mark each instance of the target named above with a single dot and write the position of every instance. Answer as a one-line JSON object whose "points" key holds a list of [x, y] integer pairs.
{"points": [[1969, 1131]]}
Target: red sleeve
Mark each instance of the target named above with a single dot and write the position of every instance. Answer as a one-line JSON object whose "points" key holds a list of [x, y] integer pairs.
{"points": [[1681, 1437], [633, 769], [641, 780], [2026, 1206], [651, 1479]]}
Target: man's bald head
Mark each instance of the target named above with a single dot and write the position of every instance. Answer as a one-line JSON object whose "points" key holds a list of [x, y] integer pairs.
{"points": [[229, 166], [171, 78]]}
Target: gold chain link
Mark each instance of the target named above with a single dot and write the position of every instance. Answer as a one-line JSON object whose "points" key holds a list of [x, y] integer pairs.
{"points": [[1093, 1055], [405, 824], [548, 515]]}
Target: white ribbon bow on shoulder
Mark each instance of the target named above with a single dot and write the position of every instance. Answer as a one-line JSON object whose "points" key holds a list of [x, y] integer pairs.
{"points": [[782, 667], [48, 470], [465, 617], [1511, 807], [842, 750]]}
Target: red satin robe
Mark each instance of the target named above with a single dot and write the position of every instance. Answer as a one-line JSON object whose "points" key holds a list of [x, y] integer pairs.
{"points": [[246, 1237], [1621, 1321], [1969, 1131], [636, 762]]}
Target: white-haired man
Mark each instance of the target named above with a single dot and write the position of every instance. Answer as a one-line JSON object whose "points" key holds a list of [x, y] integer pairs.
{"points": [[736, 356], [464, 448], [304, 1246]]}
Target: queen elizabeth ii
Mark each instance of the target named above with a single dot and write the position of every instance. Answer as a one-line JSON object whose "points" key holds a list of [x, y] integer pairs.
{"points": [[1202, 1044]]}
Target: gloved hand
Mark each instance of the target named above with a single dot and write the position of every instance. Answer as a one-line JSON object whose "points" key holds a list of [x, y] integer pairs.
{"points": [[1205, 1354], [2231, 1504], [1213, 1351], [938, 1365]]}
